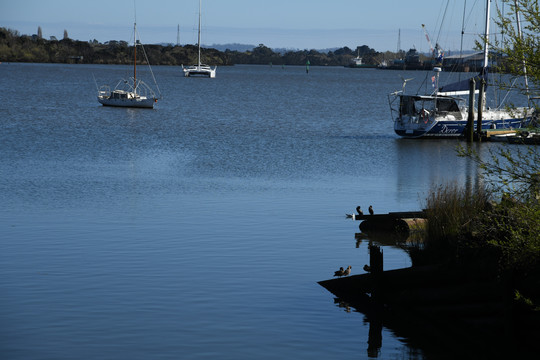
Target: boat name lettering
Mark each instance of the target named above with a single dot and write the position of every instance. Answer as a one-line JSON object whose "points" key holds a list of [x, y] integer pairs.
{"points": [[446, 130]]}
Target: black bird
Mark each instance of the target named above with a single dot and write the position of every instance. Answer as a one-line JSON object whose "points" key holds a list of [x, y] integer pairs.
{"points": [[359, 211], [339, 272], [367, 268], [371, 212]]}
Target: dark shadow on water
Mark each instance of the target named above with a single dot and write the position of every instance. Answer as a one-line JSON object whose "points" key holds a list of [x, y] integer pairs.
{"points": [[382, 238], [438, 312], [427, 340]]}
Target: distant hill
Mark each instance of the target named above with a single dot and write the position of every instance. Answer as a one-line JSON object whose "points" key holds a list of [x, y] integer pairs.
{"points": [[246, 47], [231, 47], [220, 47]]}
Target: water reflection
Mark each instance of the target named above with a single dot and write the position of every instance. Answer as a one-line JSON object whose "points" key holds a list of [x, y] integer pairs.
{"points": [[367, 304], [422, 164], [374, 319], [385, 238]]}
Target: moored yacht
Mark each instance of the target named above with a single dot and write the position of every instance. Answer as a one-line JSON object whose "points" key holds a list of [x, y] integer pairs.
{"points": [[199, 69], [132, 92], [444, 113]]}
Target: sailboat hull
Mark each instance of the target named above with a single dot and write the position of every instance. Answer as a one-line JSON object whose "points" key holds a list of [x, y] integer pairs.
{"points": [[133, 103], [200, 71], [412, 128]]}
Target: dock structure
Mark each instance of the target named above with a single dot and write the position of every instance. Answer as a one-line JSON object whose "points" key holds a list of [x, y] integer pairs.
{"points": [[400, 222], [431, 302], [461, 302], [495, 132]]}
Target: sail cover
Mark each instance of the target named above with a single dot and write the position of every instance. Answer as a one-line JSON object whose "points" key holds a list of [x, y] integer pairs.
{"points": [[462, 87]]}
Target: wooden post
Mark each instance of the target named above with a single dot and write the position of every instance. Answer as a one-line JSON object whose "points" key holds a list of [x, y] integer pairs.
{"points": [[375, 259], [470, 119], [480, 109], [376, 269], [375, 315]]}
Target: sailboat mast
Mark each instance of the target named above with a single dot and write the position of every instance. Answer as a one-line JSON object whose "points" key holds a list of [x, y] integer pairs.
{"points": [[135, 56], [486, 34], [199, 36], [134, 47]]}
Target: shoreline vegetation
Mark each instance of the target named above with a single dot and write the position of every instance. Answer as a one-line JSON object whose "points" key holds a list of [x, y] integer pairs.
{"points": [[15, 47]]}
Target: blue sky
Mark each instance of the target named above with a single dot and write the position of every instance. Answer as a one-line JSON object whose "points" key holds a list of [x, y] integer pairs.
{"points": [[294, 24]]}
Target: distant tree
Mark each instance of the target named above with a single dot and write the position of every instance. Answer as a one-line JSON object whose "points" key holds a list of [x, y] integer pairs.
{"points": [[365, 50], [343, 51], [53, 38], [66, 34], [39, 33]]}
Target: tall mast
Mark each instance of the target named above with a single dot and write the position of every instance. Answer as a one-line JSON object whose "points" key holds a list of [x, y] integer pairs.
{"points": [[486, 34], [135, 52], [462, 33], [199, 41]]}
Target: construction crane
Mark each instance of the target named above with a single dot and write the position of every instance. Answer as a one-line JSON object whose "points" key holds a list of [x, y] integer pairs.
{"points": [[436, 52], [427, 37]]}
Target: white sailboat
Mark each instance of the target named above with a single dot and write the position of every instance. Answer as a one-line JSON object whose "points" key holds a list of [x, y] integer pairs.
{"points": [[199, 69], [130, 92], [444, 114]]}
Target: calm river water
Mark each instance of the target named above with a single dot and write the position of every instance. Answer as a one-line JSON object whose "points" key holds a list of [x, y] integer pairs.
{"points": [[199, 229]]}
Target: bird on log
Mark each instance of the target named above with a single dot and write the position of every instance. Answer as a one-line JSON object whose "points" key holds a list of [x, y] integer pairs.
{"points": [[371, 212], [359, 211], [347, 271], [340, 272]]}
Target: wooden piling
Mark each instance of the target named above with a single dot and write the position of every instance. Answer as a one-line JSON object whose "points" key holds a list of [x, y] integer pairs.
{"points": [[480, 110], [375, 259], [470, 119]]}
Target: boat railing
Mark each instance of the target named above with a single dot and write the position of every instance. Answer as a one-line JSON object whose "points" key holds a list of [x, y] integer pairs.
{"points": [[140, 88], [144, 90], [392, 98], [104, 90]]}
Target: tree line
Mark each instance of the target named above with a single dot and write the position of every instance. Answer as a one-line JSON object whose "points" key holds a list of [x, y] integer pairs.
{"points": [[15, 47]]}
